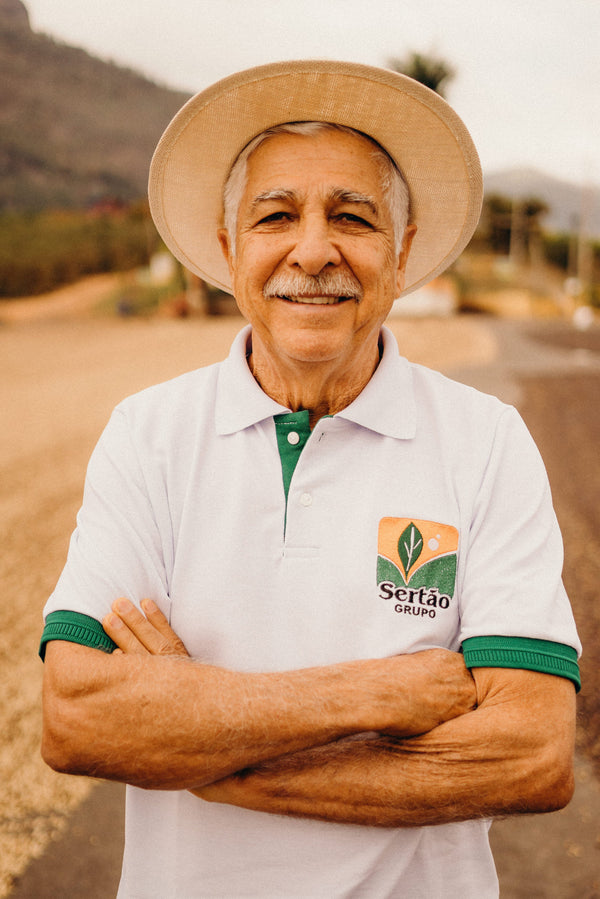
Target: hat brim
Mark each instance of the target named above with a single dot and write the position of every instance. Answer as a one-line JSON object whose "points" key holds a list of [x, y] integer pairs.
{"points": [[419, 130]]}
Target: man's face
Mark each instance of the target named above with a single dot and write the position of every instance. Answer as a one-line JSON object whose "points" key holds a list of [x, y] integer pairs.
{"points": [[313, 208]]}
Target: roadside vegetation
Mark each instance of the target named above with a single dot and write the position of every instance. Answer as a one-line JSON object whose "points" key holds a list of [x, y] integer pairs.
{"points": [[40, 251]]}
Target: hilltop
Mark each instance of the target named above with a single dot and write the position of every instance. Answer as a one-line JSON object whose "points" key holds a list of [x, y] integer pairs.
{"points": [[74, 130]]}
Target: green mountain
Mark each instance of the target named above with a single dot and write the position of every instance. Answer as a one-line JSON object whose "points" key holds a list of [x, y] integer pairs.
{"points": [[75, 131]]}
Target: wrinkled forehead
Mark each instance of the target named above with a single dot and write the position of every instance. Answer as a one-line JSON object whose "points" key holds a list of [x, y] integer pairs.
{"points": [[337, 162]]}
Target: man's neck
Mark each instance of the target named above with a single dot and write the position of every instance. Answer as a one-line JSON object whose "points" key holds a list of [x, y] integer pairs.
{"points": [[320, 388]]}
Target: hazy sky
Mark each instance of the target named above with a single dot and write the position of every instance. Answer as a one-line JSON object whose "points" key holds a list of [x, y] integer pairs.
{"points": [[527, 71]]}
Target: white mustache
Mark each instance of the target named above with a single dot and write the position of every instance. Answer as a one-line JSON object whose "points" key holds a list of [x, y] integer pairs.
{"points": [[334, 284]]}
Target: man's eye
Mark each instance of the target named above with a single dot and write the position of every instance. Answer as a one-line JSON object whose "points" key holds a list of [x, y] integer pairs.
{"points": [[353, 219], [275, 217]]}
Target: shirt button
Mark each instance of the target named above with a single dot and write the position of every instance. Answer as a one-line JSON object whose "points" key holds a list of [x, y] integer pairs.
{"points": [[293, 438], [306, 499]]}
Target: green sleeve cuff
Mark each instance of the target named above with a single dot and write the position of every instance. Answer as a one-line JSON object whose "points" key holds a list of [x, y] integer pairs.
{"points": [[522, 652], [75, 628]]}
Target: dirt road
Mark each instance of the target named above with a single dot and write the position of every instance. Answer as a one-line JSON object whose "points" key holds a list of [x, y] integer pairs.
{"points": [[61, 374]]}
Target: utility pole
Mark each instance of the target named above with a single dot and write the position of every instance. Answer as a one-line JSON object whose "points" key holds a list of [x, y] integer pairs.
{"points": [[584, 246], [516, 253]]}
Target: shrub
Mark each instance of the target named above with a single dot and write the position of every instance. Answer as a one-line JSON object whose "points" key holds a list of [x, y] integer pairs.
{"points": [[45, 250]]}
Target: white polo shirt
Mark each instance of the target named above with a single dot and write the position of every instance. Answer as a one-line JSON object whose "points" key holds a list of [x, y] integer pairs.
{"points": [[419, 516]]}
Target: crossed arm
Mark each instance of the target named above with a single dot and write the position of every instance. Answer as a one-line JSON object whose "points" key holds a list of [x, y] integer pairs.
{"points": [[403, 741]]}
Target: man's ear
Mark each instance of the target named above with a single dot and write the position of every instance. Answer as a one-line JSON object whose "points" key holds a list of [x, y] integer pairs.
{"points": [[407, 240], [226, 248]]}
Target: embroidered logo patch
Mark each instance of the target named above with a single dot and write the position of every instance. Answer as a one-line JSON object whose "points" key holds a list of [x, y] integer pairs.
{"points": [[416, 565]]}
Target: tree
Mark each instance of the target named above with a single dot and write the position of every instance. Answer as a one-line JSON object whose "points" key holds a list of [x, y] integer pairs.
{"points": [[427, 70], [514, 226]]}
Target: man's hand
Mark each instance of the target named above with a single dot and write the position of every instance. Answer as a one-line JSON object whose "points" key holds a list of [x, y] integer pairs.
{"points": [[436, 686], [114, 716], [425, 688], [149, 635]]}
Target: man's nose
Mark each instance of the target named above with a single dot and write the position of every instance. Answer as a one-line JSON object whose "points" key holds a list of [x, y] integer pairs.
{"points": [[314, 247]]}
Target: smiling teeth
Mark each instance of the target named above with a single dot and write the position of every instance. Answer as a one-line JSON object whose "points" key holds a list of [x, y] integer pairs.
{"points": [[319, 301]]}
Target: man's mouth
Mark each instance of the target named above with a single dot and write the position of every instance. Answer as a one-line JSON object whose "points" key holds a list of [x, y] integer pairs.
{"points": [[316, 301]]}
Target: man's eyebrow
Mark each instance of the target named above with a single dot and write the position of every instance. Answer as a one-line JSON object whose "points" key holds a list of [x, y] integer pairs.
{"points": [[343, 195], [278, 193], [336, 195]]}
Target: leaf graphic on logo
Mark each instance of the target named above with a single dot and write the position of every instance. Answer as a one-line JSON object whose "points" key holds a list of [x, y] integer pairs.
{"points": [[410, 546]]}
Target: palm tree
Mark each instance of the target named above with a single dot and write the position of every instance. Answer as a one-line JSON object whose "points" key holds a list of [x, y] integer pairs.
{"points": [[428, 70]]}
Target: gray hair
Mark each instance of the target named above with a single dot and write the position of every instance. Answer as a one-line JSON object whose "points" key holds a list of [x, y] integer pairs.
{"points": [[392, 179]]}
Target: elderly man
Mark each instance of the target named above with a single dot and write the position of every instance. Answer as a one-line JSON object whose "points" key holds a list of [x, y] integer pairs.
{"points": [[326, 581]]}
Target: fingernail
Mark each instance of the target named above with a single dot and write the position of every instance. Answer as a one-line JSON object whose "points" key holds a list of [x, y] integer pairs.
{"points": [[113, 621], [149, 605], [121, 605]]}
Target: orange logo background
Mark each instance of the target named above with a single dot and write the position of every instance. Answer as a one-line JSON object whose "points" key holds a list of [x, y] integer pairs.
{"points": [[438, 540]]}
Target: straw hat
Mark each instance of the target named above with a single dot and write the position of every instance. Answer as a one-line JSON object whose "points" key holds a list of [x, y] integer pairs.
{"points": [[425, 137]]}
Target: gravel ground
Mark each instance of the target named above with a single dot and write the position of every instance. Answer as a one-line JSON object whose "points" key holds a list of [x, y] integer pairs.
{"points": [[61, 373]]}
